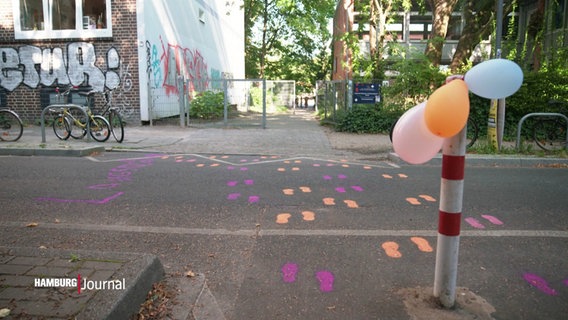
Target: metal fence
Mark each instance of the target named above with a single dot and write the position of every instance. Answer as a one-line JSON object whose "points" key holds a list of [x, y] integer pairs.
{"points": [[333, 97], [224, 102]]}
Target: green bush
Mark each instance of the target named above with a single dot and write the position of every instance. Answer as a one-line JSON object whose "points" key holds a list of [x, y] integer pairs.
{"points": [[207, 105], [366, 119]]}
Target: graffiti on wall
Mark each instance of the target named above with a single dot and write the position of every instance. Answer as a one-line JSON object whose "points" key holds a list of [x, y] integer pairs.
{"points": [[32, 66], [166, 63]]}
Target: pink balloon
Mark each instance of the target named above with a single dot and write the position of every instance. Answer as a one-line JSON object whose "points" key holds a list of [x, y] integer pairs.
{"points": [[411, 138]]}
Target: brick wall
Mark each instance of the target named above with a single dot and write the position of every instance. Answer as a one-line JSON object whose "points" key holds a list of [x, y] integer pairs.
{"points": [[26, 101]]}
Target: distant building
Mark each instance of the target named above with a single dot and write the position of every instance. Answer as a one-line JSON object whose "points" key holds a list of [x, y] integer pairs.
{"points": [[137, 47]]}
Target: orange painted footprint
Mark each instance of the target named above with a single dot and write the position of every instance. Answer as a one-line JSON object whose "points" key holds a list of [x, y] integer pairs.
{"points": [[422, 244], [427, 198], [288, 192], [391, 249], [283, 218], [306, 189], [329, 201], [413, 201], [351, 204], [309, 216]]}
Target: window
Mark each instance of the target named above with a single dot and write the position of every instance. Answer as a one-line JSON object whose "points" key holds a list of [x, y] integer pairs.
{"points": [[420, 27], [559, 13], [395, 28], [52, 19]]}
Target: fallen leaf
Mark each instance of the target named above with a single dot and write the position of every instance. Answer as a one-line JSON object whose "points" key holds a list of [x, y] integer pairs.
{"points": [[31, 225], [190, 274], [4, 312], [42, 247], [57, 221]]}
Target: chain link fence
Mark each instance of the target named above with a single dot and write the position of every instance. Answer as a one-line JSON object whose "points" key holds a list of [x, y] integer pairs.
{"points": [[332, 97], [224, 102]]}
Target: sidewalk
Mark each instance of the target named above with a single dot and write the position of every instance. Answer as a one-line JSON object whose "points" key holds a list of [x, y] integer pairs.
{"points": [[290, 135]]}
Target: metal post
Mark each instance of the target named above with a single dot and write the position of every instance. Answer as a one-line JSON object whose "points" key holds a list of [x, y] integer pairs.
{"points": [[451, 197], [181, 96], [225, 103], [263, 103]]}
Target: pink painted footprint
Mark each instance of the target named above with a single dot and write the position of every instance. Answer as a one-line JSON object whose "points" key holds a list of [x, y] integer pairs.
{"points": [[474, 223], [289, 271], [539, 283], [325, 279], [492, 219]]}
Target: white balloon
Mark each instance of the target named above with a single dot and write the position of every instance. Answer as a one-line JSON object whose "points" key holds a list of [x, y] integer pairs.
{"points": [[412, 140], [494, 79]]}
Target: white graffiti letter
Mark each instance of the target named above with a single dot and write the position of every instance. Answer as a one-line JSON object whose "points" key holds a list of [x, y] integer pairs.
{"points": [[30, 56], [82, 67], [113, 63], [10, 75], [53, 67]]}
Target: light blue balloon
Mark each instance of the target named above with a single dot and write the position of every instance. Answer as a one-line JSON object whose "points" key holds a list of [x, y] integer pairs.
{"points": [[494, 79]]}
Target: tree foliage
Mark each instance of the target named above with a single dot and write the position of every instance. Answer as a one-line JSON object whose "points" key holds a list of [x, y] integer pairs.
{"points": [[288, 39]]}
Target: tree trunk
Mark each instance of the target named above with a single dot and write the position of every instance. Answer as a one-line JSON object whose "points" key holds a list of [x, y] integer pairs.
{"points": [[477, 26], [441, 12]]}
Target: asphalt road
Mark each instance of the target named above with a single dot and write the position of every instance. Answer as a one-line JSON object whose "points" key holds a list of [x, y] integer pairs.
{"points": [[300, 238]]}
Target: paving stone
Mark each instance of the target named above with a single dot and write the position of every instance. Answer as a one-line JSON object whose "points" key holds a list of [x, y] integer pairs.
{"points": [[15, 269], [36, 261]]}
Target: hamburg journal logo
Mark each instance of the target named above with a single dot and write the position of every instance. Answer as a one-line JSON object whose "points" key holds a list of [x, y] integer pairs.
{"points": [[82, 284]]}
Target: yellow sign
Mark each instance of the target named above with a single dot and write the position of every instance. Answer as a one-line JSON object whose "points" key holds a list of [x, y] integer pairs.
{"points": [[492, 124]]}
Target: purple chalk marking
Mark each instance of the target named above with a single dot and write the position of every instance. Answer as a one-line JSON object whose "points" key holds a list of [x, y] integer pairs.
{"points": [[327, 178], [566, 282], [232, 183], [244, 169], [340, 189], [102, 201], [233, 196], [539, 283], [492, 219], [474, 223], [357, 188], [249, 182], [341, 176], [254, 199], [317, 165], [289, 271], [325, 279], [103, 186], [230, 168]]}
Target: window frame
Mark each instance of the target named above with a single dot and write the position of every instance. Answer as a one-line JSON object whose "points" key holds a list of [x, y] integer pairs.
{"points": [[49, 33]]}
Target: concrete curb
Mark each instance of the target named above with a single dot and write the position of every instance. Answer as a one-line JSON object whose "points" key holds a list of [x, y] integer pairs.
{"points": [[81, 152], [194, 300], [491, 161]]}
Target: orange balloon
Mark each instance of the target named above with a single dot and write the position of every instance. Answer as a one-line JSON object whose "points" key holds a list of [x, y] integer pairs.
{"points": [[447, 109]]}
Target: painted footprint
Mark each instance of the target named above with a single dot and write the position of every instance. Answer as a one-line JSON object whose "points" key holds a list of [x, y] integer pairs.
{"points": [[539, 283], [474, 223], [422, 244], [288, 192], [427, 198], [351, 204], [329, 201], [413, 201], [289, 272], [306, 189], [391, 249], [492, 219], [309, 216], [325, 279], [283, 218]]}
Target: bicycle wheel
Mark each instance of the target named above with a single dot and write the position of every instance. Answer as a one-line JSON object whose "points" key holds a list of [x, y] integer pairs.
{"points": [[472, 132], [61, 127], [77, 124], [11, 128], [116, 126], [550, 134], [99, 128]]}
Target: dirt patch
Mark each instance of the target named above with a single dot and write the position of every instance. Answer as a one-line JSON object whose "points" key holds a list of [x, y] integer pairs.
{"points": [[421, 304], [366, 144]]}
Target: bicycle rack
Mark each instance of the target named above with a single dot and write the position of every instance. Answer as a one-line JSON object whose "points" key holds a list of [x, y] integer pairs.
{"points": [[539, 114], [53, 107]]}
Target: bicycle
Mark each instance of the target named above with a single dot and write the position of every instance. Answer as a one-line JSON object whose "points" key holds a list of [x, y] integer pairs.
{"points": [[549, 132], [110, 112], [11, 127], [66, 124]]}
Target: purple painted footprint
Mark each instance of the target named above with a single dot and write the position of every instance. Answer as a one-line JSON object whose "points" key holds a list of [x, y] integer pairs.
{"points": [[474, 223], [233, 196], [254, 199], [539, 283], [325, 279], [289, 271], [357, 188], [492, 219]]}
